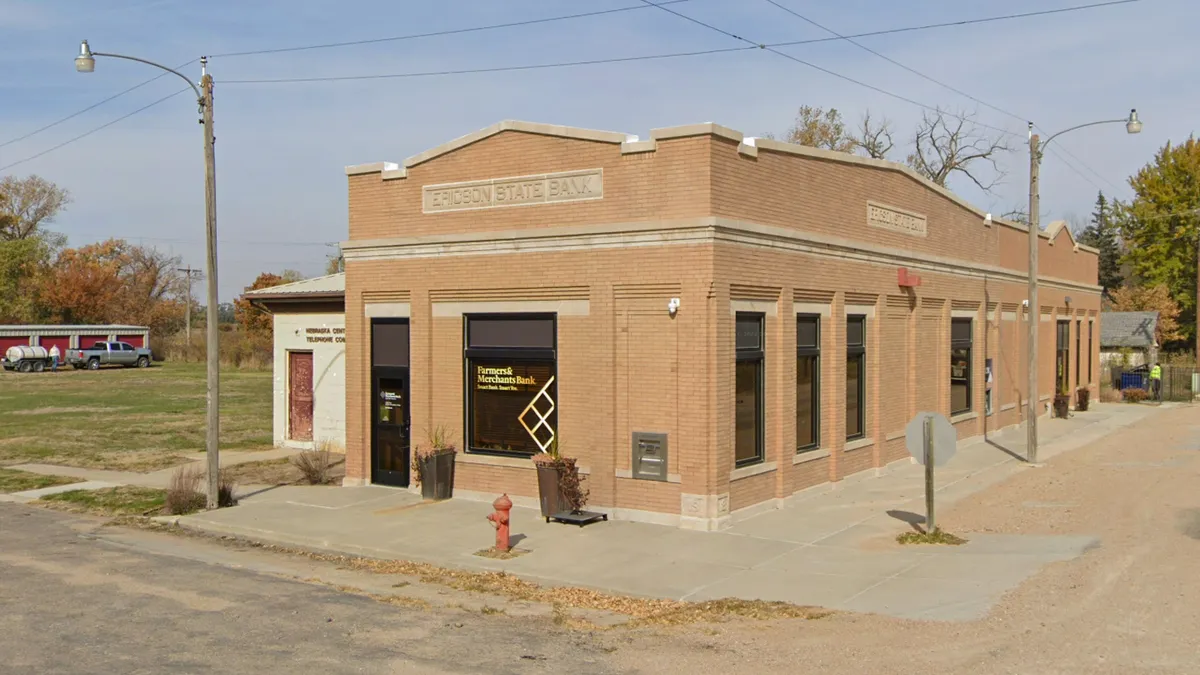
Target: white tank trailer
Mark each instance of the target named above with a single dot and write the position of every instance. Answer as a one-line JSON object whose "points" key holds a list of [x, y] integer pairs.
{"points": [[26, 359]]}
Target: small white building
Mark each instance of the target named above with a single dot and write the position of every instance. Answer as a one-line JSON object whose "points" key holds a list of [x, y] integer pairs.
{"points": [[309, 389]]}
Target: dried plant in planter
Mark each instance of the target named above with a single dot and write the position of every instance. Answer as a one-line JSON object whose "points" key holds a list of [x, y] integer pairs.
{"points": [[572, 495], [438, 442]]}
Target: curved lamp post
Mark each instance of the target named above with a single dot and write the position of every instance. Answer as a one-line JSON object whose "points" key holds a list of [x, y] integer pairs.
{"points": [[86, 63], [1133, 126]]}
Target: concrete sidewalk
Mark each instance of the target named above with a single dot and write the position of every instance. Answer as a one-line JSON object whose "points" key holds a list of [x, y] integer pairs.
{"points": [[829, 546], [98, 479]]}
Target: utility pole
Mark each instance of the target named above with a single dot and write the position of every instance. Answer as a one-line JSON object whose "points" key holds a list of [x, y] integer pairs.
{"points": [[1035, 313], [85, 62], [188, 325], [213, 329]]}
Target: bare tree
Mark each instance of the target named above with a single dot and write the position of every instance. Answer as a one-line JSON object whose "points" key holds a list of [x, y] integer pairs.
{"points": [[28, 203], [875, 137], [1017, 215], [946, 144]]}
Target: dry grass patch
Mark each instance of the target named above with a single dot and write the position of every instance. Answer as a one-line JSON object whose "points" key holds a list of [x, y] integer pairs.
{"points": [[643, 611], [936, 537]]}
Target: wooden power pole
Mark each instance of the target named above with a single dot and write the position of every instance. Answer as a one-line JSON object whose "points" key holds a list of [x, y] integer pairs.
{"points": [[188, 314]]}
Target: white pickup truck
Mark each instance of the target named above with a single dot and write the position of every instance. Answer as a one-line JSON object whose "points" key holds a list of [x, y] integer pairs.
{"points": [[109, 354]]}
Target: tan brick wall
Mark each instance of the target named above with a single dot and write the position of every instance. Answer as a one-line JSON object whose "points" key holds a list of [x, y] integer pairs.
{"points": [[628, 366]]}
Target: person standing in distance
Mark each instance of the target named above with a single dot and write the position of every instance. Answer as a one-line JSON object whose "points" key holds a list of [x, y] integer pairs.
{"points": [[1156, 382], [55, 355]]}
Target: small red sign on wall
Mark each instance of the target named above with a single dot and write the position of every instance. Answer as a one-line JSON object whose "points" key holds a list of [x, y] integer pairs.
{"points": [[906, 278]]}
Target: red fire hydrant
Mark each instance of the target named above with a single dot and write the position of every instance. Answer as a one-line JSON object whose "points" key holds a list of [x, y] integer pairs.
{"points": [[500, 521]]}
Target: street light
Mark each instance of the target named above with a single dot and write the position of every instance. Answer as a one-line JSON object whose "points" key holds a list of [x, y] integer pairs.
{"points": [[86, 63], [1133, 126]]}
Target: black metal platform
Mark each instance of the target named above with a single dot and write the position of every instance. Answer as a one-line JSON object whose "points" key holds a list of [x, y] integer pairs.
{"points": [[582, 518]]}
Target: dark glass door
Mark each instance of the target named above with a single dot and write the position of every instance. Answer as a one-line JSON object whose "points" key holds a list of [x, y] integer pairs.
{"points": [[390, 438]]}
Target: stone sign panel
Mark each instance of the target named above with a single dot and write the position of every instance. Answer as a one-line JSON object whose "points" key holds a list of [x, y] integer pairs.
{"points": [[896, 220], [547, 188]]}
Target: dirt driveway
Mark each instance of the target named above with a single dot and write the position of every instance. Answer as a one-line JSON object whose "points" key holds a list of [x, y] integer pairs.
{"points": [[1131, 605]]}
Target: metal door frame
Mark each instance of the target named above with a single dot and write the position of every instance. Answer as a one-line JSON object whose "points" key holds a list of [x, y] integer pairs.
{"points": [[378, 476]]}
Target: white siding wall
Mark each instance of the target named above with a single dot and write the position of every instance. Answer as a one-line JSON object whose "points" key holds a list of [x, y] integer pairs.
{"points": [[329, 374]]}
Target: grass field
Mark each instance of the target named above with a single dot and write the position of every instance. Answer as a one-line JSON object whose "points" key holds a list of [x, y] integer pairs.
{"points": [[19, 481], [128, 419], [116, 501]]}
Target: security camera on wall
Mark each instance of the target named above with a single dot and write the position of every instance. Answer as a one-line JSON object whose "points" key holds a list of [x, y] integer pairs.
{"points": [[987, 220], [673, 306]]}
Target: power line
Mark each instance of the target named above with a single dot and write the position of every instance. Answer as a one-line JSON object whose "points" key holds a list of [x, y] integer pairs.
{"points": [[897, 63], [456, 31], [944, 85], [823, 70], [471, 71], [905, 29], [89, 133], [627, 59], [92, 107]]}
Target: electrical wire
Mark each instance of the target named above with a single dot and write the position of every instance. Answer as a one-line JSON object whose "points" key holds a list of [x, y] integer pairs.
{"points": [[944, 85], [827, 71], [891, 31], [89, 133], [93, 106], [456, 31]]}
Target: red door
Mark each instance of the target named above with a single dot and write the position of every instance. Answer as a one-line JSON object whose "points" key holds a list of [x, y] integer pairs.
{"points": [[134, 341], [62, 341], [86, 341], [6, 342], [300, 396]]}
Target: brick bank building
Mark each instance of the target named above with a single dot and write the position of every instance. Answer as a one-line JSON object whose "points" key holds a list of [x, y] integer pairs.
{"points": [[710, 323]]}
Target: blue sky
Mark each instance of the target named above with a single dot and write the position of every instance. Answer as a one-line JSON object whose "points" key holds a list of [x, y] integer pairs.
{"points": [[281, 148]]}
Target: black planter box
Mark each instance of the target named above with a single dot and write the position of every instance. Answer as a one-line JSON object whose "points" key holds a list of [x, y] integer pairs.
{"points": [[437, 476], [1062, 404], [550, 494], [1081, 399]]}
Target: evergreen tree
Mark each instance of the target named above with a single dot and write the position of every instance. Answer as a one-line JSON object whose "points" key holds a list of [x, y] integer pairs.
{"points": [[1103, 235]]}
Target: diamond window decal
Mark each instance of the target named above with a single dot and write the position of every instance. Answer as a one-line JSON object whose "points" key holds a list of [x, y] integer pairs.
{"points": [[536, 417]]}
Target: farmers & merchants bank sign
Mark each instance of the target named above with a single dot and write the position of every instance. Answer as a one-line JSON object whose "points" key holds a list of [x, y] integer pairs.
{"points": [[489, 378], [550, 188]]}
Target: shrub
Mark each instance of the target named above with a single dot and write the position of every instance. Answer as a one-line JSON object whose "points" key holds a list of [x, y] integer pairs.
{"points": [[183, 492], [1134, 395], [225, 490], [315, 466], [239, 349]]}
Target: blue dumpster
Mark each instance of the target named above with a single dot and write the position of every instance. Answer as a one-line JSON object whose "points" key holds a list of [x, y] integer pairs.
{"points": [[1134, 381]]}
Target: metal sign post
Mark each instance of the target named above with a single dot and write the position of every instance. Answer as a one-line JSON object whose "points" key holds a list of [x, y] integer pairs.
{"points": [[929, 459], [931, 440]]}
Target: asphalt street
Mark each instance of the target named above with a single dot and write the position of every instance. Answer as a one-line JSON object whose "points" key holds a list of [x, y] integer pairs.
{"points": [[75, 603]]}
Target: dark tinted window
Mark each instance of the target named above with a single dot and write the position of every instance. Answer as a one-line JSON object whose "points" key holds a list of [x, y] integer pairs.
{"points": [[389, 343], [749, 331], [807, 331], [855, 331], [960, 329], [506, 332]]}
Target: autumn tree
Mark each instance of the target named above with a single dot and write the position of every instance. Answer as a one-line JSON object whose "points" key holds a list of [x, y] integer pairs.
{"points": [[336, 263], [945, 144], [1103, 235], [820, 128], [250, 318], [27, 205], [115, 282], [1161, 225], [1151, 299]]}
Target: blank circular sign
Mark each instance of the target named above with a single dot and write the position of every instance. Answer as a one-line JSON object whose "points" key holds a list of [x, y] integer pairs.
{"points": [[945, 439]]}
